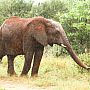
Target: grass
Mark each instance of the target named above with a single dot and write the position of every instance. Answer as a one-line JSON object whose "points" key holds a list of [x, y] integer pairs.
{"points": [[2, 88], [54, 73]]}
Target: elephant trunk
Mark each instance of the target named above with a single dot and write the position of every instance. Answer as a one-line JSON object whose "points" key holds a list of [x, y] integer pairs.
{"points": [[72, 53], [75, 58]]}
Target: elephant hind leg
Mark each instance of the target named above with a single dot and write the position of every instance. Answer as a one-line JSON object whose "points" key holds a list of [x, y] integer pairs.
{"points": [[37, 59], [11, 65]]}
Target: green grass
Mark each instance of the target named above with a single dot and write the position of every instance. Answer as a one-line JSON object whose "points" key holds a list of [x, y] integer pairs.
{"points": [[2, 88], [57, 73]]}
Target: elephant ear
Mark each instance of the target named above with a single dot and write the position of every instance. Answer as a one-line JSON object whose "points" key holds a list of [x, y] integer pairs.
{"points": [[37, 28]]}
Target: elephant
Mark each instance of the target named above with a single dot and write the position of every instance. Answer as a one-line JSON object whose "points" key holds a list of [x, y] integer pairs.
{"points": [[1, 45], [28, 37]]}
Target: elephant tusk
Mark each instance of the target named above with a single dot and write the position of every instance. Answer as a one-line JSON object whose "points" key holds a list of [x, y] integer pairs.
{"points": [[63, 45]]}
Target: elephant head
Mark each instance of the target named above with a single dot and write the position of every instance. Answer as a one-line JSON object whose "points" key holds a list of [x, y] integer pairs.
{"points": [[47, 31]]}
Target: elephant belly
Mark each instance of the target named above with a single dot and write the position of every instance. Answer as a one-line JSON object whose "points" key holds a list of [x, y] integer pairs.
{"points": [[14, 50]]}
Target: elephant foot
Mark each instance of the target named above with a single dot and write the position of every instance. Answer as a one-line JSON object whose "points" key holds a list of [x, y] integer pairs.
{"points": [[1, 63], [12, 73], [23, 75], [34, 74]]}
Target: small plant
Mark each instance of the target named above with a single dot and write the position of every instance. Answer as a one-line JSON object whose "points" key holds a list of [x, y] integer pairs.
{"points": [[2, 88]]}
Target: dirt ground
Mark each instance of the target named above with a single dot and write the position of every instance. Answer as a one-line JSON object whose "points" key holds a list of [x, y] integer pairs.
{"points": [[9, 84]]}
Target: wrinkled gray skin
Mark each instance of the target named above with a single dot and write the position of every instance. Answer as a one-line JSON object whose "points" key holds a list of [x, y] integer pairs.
{"points": [[28, 37]]}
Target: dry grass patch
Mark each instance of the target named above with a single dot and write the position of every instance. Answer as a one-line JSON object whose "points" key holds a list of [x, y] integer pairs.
{"points": [[54, 74]]}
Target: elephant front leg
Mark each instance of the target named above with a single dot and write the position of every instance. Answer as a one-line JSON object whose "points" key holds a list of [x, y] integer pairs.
{"points": [[11, 65], [27, 63], [37, 60]]}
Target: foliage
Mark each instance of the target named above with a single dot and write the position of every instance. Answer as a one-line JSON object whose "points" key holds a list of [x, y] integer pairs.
{"points": [[14, 7], [49, 9], [77, 25], [2, 88]]}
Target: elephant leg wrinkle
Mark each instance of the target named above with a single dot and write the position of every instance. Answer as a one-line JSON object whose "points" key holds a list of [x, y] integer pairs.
{"points": [[27, 63], [37, 59], [11, 65]]}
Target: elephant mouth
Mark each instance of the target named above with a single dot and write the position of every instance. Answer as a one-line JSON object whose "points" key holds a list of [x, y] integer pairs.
{"points": [[51, 44]]}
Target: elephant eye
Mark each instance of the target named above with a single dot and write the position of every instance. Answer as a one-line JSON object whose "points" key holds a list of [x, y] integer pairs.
{"points": [[57, 32]]}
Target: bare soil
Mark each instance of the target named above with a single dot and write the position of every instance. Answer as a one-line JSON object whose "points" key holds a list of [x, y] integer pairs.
{"points": [[10, 84]]}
